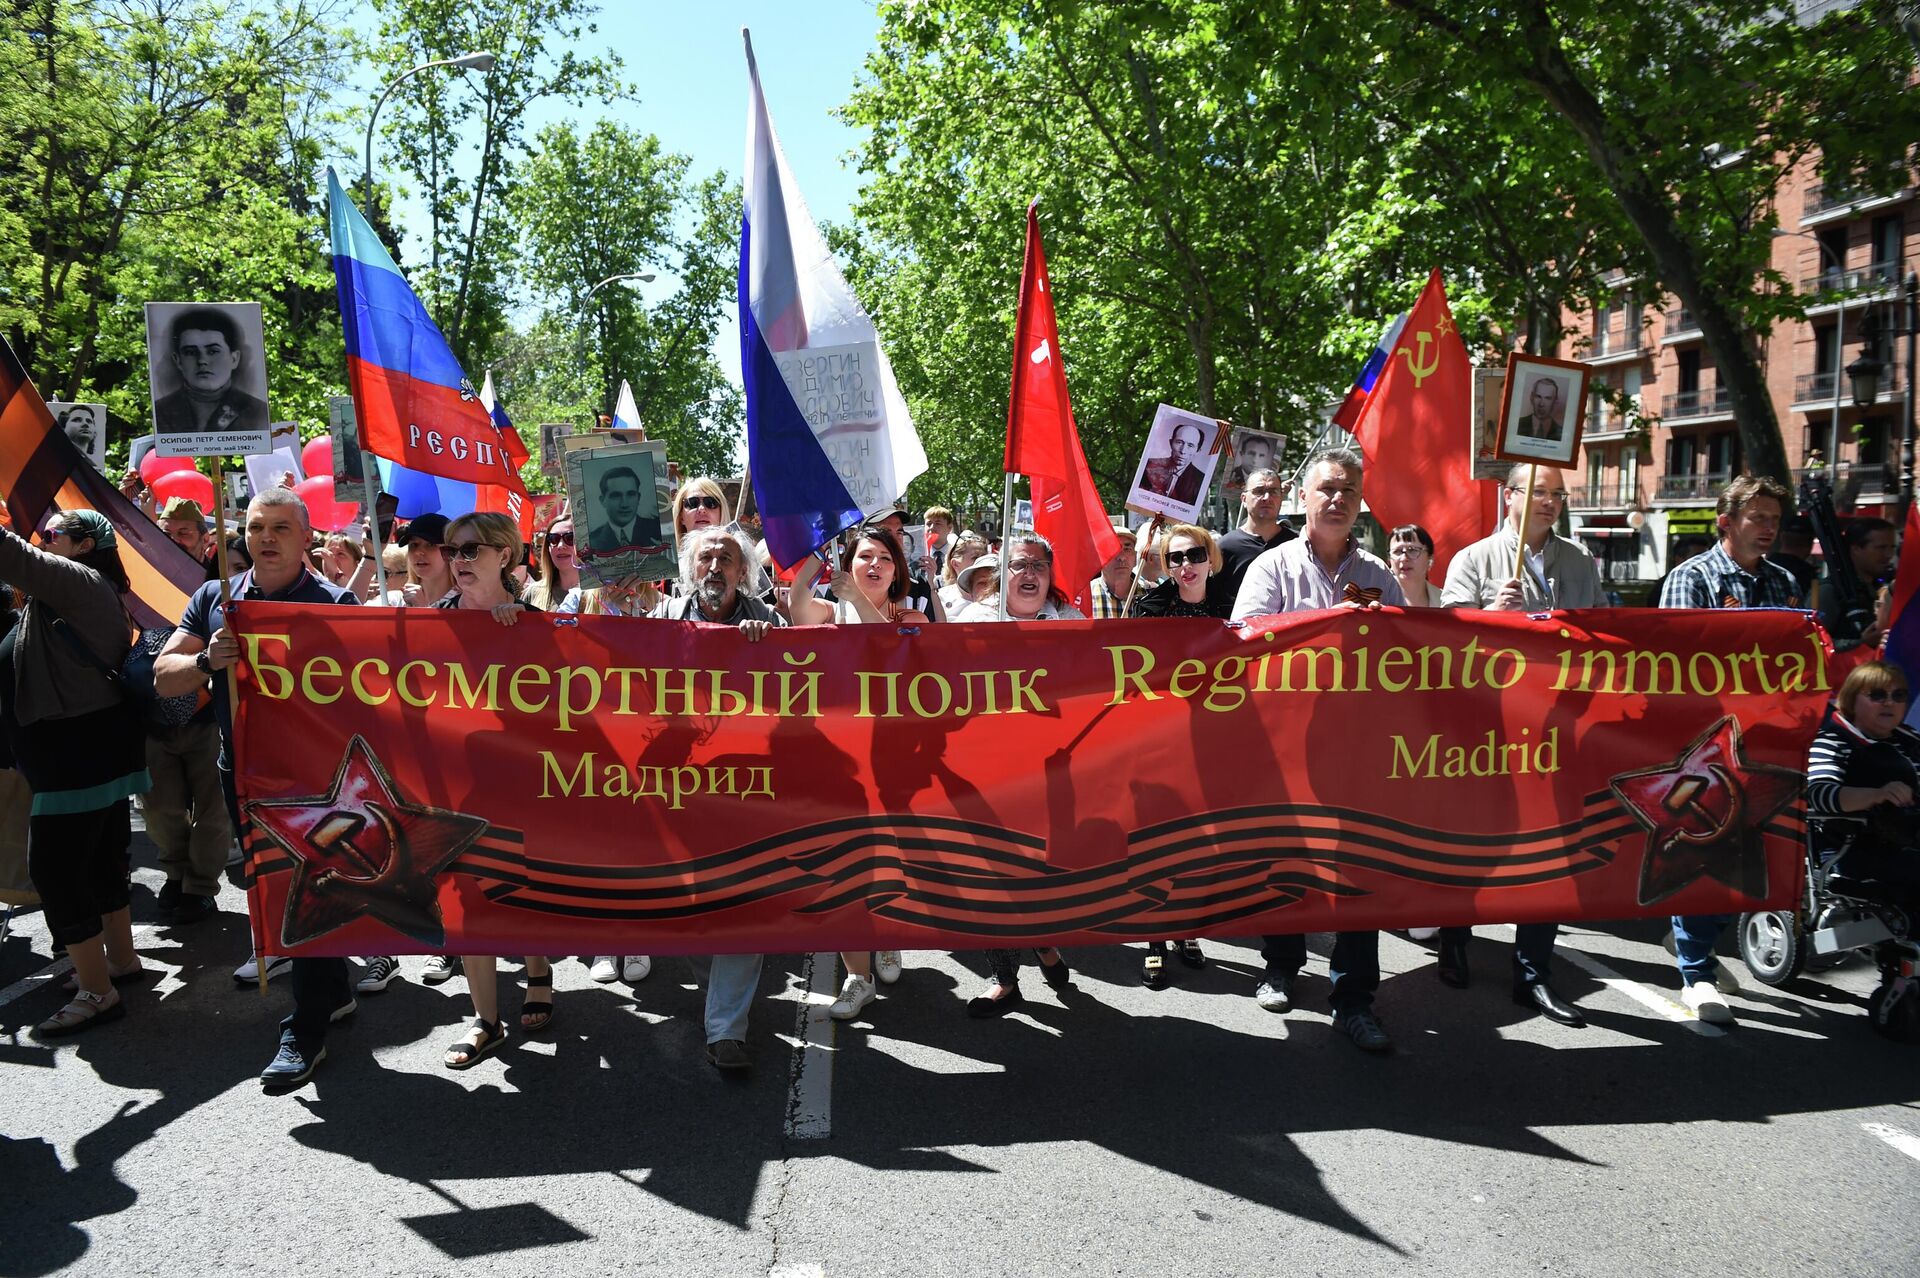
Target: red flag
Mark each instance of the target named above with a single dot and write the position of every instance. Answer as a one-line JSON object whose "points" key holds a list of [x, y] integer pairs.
{"points": [[1044, 445], [1416, 436]]}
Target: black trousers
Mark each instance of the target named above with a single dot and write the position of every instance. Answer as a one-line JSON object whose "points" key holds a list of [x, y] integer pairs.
{"points": [[1532, 949], [79, 865], [1354, 966]]}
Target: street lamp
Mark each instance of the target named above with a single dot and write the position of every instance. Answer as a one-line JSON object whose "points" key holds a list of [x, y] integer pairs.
{"points": [[1910, 326], [1864, 373], [580, 345], [481, 62]]}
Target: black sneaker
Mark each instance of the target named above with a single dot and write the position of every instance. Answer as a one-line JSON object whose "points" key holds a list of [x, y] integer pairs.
{"points": [[440, 968], [729, 1054], [167, 900], [292, 1066], [379, 974], [192, 908], [1364, 1029]]}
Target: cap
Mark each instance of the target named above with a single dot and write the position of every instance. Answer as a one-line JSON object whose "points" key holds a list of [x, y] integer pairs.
{"points": [[428, 528], [183, 508]]}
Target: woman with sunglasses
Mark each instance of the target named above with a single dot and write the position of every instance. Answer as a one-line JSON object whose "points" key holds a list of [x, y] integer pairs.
{"points": [[80, 749], [486, 546], [700, 503], [1863, 773], [868, 588], [1193, 588], [559, 573], [1410, 558]]}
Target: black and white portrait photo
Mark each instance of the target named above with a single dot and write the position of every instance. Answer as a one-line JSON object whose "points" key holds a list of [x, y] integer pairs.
{"points": [[85, 426], [209, 378], [622, 511], [1541, 412], [1252, 450], [1176, 467]]}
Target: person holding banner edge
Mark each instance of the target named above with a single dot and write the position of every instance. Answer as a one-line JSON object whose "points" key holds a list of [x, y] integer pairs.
{"points": [[1324, 568], [278, 531], [1558, 573]]}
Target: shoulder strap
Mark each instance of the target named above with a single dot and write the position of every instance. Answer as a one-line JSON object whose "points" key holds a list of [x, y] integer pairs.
{"points": [[87, 654]]}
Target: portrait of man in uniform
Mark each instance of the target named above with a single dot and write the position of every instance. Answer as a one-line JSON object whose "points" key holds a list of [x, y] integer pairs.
{"points": [[205, 368]]}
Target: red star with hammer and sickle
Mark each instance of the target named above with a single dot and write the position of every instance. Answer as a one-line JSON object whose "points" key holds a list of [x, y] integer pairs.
{"points": [[361, 851], [1703, 812]]}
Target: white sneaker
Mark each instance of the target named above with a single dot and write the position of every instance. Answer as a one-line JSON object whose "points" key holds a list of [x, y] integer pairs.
{"points": [[886, 966], [603, 971], [1705, 1002], [854, 995], [634, 968], [1422, 933], [249, 972]]}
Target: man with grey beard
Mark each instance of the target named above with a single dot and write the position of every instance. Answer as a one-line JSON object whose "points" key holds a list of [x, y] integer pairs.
{"points": [[713, 563]]}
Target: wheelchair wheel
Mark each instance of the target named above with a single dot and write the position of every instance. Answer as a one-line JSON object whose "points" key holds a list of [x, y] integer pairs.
{"points": [[1772, 945], [1894, 1010]]}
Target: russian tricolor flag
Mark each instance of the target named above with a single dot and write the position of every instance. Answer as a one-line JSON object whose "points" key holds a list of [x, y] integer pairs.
{"points": [[416, 407], [1349, 411], [829, 441]]}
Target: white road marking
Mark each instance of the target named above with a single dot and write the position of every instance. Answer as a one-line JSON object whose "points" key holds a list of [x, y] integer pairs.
{"points": [[810, 1095], [798, 1271], [1905, 1142]]}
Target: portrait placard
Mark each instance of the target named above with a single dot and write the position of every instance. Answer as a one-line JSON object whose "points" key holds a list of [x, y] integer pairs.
{"points": [[1176, 466], [601, 437], [1252, 450], [349, 463], [267, 470], [622, 512], [1489, 389], [551, 436], [208, 376], [1542, 410], [85, 425]]}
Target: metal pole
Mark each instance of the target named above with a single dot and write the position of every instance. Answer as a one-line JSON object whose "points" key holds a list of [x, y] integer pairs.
{"points": [[1907, 427], [482, 62], [367, 473], [1006, 541], [1839, 376]]}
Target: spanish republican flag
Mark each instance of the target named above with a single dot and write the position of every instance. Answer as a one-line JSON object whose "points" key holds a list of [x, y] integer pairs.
{"points": [[1415, 433], [41, 472]]}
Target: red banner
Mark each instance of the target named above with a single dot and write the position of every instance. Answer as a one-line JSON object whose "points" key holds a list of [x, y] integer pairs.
{"points": [[433, 781]]}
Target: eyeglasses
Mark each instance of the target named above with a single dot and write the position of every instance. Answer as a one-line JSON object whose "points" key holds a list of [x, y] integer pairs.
{"points": [[700, 502], [1019, 566], [1407, 548], [560, 538], [468, 550], [1191, 555], [1554, 495], [1880, 696]]}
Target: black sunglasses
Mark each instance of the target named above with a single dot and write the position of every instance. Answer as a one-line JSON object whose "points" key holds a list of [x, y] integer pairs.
{"points": [[700, 502], [468, 550], [1880, 696], [1191, 555], [560, 539]]}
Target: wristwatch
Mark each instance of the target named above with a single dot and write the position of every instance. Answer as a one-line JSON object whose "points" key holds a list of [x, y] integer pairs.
{"points": [[203, 662]]}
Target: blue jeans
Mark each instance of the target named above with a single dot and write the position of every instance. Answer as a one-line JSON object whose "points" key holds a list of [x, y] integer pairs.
{"points": [[731, 981], [1532, 949], [1354, 966], [1694, 936]]}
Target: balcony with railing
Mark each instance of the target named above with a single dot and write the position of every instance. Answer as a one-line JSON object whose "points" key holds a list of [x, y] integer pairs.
{"points": [[1866, 280], [1709, 402], [1609, 494], [1691, 486], [1852, 481], [1822, 200], [1615, 343], [1680, 323], [1817, 390]]}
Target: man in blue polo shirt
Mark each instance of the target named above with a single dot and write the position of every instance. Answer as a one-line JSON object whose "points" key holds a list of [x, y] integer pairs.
{"points": [[278, 532]]}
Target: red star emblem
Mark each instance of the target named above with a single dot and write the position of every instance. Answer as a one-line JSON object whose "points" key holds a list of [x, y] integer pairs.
{"points": [[1703, 813], [361, 851]]}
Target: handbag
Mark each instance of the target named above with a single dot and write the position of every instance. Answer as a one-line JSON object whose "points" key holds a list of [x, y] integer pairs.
{"points": [[134, 678]]}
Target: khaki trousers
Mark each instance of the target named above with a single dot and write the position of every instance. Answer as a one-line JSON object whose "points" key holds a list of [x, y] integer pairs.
{"points": [[186, 810]]}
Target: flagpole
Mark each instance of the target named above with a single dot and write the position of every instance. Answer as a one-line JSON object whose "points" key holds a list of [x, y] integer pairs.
{"points": [[1526, 513], [226, 610], [367, 472], [1006, 542]]}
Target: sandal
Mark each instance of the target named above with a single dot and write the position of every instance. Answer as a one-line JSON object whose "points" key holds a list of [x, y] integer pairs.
{"points": [[541, 1008], [1153, 969], [467, 1053], [1189, 953], [83, 1013], [131, 972], [997, 1001], [1057, 973]]}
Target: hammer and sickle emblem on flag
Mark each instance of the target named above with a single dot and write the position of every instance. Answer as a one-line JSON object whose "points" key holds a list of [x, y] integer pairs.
{"points": [[1421, 366], [1041, 352]]}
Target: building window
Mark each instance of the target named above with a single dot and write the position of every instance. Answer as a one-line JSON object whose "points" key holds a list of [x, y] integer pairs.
{"points": [[1721, 453], [1833, 255], [1681, 450], [1870, 442], [1888, 245], [1596, 472]]}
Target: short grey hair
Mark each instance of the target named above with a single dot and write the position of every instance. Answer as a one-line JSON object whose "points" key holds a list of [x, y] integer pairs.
{"points": [[1345, 458], [1254, 477], [278, 496], [690, 550], [1030, 539]]}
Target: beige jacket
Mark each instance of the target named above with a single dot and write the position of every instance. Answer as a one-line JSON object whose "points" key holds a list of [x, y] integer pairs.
{"points": [[1477, 573]]}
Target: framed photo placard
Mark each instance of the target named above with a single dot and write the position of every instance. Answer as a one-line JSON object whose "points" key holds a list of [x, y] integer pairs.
{"points": [[1542, 410]]}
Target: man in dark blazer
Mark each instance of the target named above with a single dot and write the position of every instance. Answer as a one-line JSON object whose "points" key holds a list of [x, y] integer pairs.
{"points": [[1175, 475]]}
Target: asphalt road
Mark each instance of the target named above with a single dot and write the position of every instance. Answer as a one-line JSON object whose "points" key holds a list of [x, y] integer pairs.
{"points": [[1114, 1130]]}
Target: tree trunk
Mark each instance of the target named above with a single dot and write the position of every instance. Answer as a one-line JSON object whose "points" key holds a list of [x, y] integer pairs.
{"points": [[1735, 354]]}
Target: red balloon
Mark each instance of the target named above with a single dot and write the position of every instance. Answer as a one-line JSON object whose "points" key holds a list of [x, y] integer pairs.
{"points": [[327, 514], [316, 456], [191, 484], [153, 465]]}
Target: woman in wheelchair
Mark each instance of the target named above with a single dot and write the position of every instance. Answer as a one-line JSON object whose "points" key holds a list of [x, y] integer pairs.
{"points": [[1863, 775]]}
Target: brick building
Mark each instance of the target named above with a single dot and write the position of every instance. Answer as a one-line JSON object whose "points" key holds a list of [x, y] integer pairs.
{"points": [[1638, 494]]}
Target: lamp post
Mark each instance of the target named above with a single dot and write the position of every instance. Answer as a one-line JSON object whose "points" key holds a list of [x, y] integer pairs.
{"points": [[481, 62], [1910, 325], [580, 344]]}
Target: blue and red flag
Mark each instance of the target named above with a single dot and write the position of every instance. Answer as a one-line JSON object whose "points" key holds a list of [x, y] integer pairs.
{"points": [[415, 405], [1348, 415]]}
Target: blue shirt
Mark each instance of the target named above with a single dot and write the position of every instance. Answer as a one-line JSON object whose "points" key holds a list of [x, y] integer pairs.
{"points": [[204, 615]]}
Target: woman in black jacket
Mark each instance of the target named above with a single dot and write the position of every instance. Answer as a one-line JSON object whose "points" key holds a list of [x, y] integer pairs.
{"points": [[82, 751], [1193, 588]]}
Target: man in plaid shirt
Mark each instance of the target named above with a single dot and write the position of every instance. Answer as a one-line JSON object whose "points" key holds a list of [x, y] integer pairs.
{"points": [[1107, 601], [1735, 573]]}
